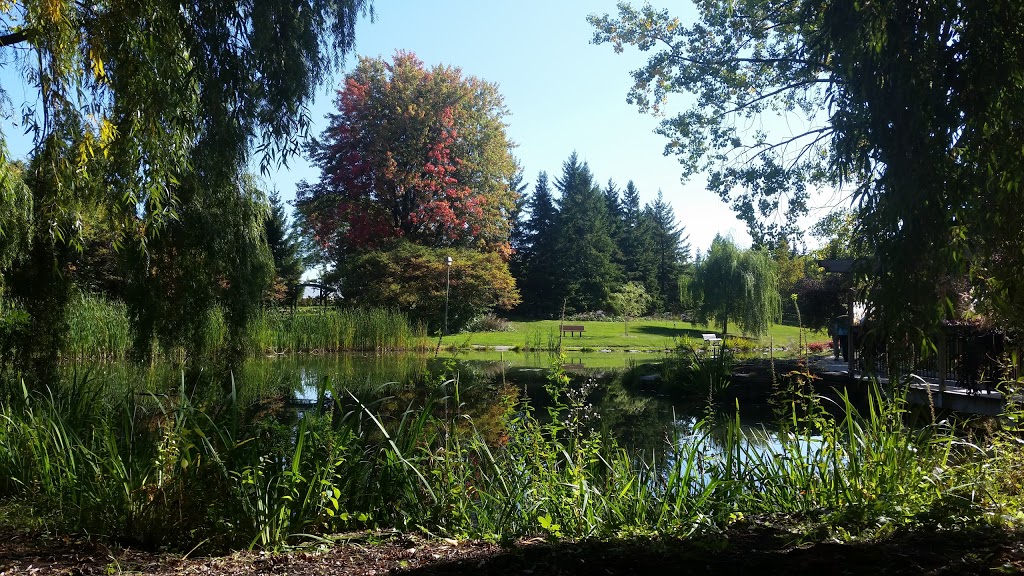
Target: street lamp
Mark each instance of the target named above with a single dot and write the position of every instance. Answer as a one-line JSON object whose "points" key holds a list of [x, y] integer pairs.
{"points": [[447, 287]]}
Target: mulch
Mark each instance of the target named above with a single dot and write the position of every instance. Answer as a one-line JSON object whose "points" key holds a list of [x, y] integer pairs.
{"points": [[746, 550]]}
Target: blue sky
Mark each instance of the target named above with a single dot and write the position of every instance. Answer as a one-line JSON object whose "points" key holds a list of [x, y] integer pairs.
{"points": [[563, 93]]}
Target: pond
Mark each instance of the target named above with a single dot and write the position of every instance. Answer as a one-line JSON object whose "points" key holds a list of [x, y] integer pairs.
{"points": [[620, 398]]}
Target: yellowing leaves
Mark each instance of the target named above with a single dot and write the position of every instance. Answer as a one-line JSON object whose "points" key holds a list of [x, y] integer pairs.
{"points": [[108, 131], [97, 65]]}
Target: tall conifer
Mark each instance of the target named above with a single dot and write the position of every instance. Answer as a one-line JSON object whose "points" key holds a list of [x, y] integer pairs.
{"points": [[585, 248], [537, 269]]}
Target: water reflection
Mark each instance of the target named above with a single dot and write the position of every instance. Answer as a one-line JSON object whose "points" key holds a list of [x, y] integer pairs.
{"points": [[482, 386]]}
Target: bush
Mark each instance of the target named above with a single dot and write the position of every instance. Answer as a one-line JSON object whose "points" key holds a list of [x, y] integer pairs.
{"points": [[819, 347], [489, 323], [415, 279], [595, 316]]}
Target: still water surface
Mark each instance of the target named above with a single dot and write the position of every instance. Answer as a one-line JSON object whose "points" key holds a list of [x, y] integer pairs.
{"points": [[624, 404]]}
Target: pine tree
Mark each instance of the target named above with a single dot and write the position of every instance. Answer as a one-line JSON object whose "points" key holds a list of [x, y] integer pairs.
{"points": [[517, 229], [585, 249], [631, 204], [284, 245], [671, 250], [646, 257], [536, 265], [616, 225], [636, 242]]}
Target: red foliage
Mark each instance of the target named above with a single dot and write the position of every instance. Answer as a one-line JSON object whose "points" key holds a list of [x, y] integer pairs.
{"points": [[397, 161]]}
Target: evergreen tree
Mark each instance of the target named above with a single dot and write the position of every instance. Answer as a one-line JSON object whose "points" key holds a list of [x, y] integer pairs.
{"points": [[517, 230], [613, 205], [284, 246], [637, 243], [536, 268], [585, 249], [644, 266], [631, 205], [671, 251]]}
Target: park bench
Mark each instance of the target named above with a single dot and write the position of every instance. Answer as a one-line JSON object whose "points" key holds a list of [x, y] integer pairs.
{"points": [[572, 329], [714, 341]]}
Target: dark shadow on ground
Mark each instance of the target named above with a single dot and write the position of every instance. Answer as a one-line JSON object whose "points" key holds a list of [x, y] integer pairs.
{"points": [[755, 551], [741, 550], [668, 332]]}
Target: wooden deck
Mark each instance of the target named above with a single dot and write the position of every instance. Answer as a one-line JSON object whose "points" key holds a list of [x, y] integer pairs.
{"points": [[924, 391]]}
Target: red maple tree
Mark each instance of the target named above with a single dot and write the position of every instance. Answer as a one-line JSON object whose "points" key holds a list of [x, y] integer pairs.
{"points": [[414, 154]]}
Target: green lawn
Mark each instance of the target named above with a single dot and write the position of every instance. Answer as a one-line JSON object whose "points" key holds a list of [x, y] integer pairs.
{"points": [[644, 334]]}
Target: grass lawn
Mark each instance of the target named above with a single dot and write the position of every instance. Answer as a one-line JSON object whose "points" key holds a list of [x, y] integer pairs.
{"points": [[644, 334]]}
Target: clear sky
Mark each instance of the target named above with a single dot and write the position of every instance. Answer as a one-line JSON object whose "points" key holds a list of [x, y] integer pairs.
{"points": [[564, 94]]}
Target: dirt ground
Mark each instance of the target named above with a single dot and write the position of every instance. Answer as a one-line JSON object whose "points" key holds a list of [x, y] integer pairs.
{"points": [[748, 550]]}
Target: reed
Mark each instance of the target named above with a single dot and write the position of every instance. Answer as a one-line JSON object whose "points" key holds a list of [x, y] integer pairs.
{"points": [[335, 330], [172, 472], [98, 329]]}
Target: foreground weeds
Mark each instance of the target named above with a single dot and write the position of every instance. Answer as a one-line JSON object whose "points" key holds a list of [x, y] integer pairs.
{"points": [[172, 472]]}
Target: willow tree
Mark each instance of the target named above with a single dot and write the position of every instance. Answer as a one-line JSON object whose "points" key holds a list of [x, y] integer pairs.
{"points": [[737, 285], [913, 105], [148, 114], [15, 215]]}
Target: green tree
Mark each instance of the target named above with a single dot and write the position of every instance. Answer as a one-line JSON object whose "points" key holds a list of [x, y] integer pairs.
{"points": [[537, 274], [414, 155], [638, 241], [613, 207], [284, 247], [148, 114], [518, 233], [214, 257], [480, 282], [914, 105], [671, 250], [584, 249], [630, 300], [836, 232], [15, 215], [737, 285], [791, 268]]}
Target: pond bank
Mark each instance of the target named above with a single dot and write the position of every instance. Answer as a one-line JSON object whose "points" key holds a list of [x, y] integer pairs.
{"points": [[746, 548]]}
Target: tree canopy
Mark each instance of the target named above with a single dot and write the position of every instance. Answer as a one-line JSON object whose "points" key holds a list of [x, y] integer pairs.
{"points": [[415, 162], [914, 106], [284, 247], [737, 285], [584, 251], [146, 117], [579, 248], [416, 154]]}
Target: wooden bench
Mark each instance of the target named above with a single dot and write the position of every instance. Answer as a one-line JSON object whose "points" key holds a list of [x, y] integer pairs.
{"points": [[572, 329]]}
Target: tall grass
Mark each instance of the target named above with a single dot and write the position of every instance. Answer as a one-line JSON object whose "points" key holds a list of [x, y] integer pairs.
{"points": [[97, 329], [171, 472], [100, 329], [333, 330]]}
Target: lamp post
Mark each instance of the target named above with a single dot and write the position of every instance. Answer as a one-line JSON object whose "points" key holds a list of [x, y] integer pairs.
{"points": [[447, 287]]}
